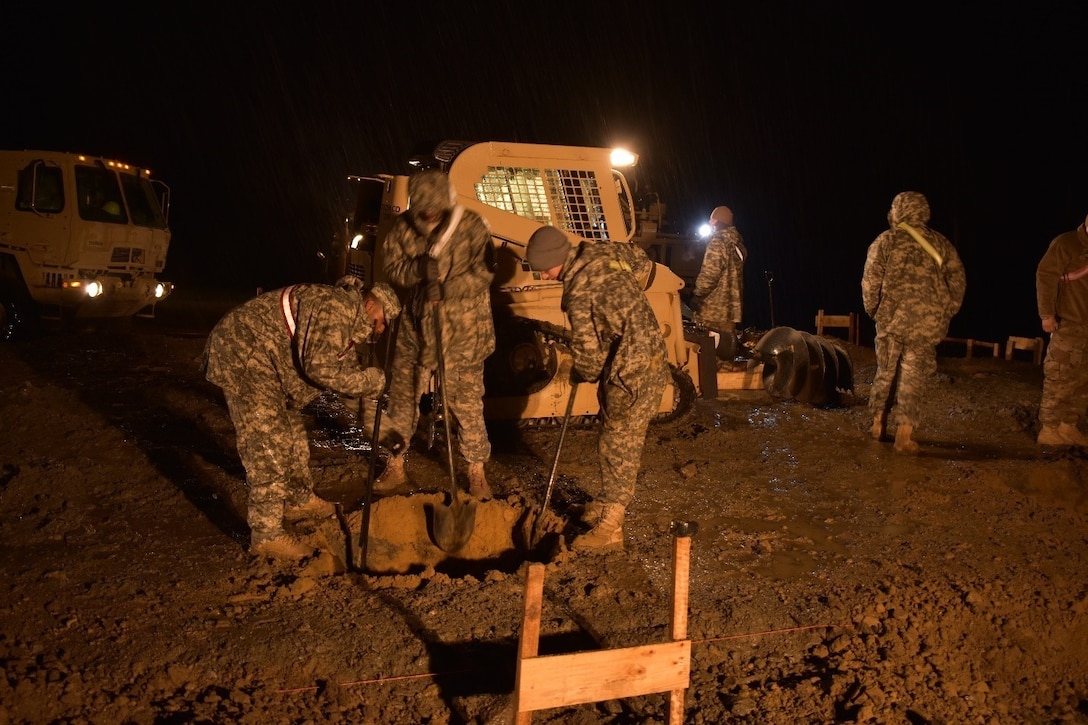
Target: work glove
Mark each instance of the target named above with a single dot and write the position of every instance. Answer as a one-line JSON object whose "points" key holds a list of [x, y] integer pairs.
{"points": [[428, 272], [696, 303], [393, 442], [428, 268]]}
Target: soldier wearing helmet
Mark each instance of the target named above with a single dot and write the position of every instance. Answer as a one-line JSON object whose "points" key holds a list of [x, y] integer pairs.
{"points": [[912, 284], [718, 297], [272, 356], [441, 258]]}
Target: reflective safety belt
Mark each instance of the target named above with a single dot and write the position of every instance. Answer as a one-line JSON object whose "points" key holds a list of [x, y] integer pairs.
{"points": [[285, 304], [923, 241], [455, 219]]}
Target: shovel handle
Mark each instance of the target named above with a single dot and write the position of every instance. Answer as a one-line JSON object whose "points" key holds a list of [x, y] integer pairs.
{"points": [[442, 396], [559, 445], [368, 493]]}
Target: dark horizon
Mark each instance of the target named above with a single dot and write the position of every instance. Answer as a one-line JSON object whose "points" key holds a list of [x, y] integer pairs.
{"points": [[805, 121]]}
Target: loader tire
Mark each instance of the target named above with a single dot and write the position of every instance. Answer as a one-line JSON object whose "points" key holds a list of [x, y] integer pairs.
{"points": [[683, 397]]}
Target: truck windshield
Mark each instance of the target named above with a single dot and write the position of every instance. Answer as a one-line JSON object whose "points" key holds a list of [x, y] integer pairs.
{"points": [[99, 195], [143, 205]]}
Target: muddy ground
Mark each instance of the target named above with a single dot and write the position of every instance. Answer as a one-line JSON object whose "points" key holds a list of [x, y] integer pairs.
{"points": [[831, 579]]}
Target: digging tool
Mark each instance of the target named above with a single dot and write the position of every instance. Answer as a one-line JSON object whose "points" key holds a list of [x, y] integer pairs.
{"points": [[364, 529], [453, 522], [537, 532]]}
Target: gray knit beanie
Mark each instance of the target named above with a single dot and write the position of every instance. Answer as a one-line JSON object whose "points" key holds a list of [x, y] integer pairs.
{"points": [[547, 248]]}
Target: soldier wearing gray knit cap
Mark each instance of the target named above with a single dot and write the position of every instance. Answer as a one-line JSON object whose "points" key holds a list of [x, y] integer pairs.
{"points": [[547, 249], [617, 343]]}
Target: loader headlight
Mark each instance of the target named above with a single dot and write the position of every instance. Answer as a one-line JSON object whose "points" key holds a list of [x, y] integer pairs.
{"points": [[622, 158]]}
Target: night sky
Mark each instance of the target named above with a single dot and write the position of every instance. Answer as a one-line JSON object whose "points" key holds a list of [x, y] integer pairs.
{"points": [[804, 118]]}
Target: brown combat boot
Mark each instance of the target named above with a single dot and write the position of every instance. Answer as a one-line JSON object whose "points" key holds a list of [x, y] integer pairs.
{"points": [[1049, 436], [606, 534], [281, 547], [1072, 435], [314, 508], [393, 478], [903, 442], [477, 482], [591, 512], [877, 431]]}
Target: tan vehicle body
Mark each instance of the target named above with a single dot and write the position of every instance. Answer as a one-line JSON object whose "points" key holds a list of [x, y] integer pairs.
{"points": [[80, 237], [517, 188]]}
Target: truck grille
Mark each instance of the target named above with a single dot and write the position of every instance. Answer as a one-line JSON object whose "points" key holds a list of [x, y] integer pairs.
{"points": [[127, 255]]}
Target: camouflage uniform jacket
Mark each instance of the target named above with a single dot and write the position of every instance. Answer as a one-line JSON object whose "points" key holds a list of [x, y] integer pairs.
{"points": [[904, 289], [1064, 299], [609, 314], [254, 340], [466, 271], [721, 278]]}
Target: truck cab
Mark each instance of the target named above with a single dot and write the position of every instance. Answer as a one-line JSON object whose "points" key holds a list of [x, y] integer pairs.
{"points": [[81, 237]]}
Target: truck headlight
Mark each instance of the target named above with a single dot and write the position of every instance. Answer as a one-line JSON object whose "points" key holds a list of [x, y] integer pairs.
{"points": [[94, 289]]}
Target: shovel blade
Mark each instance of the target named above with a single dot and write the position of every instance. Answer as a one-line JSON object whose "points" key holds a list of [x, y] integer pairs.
{"points": [[453, 524]]}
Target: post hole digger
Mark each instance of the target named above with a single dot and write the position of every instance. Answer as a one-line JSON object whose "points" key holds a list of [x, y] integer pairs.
{"points": [[539, 527], [455, 521], [375, 436]]}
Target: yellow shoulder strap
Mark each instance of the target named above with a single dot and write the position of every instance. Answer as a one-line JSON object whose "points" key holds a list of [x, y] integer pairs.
{"points": [[923, 241]]}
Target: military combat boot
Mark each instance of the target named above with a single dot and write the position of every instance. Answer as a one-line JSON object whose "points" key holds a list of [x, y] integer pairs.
{"points": [[314, 508], [281, 547], [393, 478], [477, 482], [903, 442], [877, 431], [606, 534], [591, 512], [1072, 435], [1049, 436]]}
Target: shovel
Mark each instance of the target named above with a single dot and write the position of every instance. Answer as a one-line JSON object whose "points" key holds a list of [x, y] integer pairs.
{"points": [[538, 530], [364, 530], [453, 522]]}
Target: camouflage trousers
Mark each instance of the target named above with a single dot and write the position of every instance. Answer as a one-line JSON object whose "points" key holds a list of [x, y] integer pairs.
{"points": [[1065, 376], [464, 394], [902, 372], [626, 409], [275, 452]]}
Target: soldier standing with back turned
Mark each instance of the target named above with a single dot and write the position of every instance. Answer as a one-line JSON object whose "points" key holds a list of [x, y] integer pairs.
{"points": [[912, 285]]}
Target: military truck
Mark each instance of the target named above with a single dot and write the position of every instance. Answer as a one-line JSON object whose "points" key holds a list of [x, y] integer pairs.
{"points": [[517, 188], [81, 237]]}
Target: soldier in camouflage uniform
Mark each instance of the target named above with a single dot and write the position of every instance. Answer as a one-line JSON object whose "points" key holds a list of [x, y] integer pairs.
{"points": [[912, 285], [273, 355], [718, 298], [441, 256], [617, 343], [1061, 286]]}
